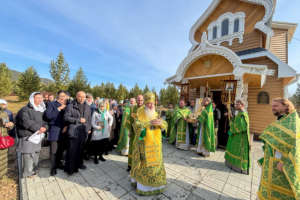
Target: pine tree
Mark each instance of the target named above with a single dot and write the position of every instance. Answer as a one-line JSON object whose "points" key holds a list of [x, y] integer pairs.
{"points": [[122, 93], [99, 90], [79, 83], [135, 91], [28, 82], [169, 95], [6, 84], [162, 97], [60, 71], [296, 97], [110, 90], [146, 89]]}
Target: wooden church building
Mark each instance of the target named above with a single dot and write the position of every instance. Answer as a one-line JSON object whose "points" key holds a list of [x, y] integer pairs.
{"points": [[238, 52]]}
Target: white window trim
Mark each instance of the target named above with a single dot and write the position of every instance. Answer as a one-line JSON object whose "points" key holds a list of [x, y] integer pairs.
{"points": [[262, 25], [231, 34]]}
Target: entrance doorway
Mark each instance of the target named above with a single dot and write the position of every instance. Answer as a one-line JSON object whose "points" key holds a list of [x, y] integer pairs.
{"points": [[223, 124]]}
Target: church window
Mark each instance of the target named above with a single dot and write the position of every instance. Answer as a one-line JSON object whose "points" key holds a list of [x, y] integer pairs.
{"points": [[236, 25], [225, 27], [263, 98], [215, 31]]}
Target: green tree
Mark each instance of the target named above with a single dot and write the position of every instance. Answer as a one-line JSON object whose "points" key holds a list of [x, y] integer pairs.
{"points": [[296, 97], [60, 71], [79, 83], [162, 97], [135, 91], [6, 84], [121, 93], [51, 87], [169, 95], [110, 90], [28, 82], [146, 89], [99, 90]]}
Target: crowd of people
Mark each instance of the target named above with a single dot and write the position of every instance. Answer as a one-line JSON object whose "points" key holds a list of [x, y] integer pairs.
{"points": [[82, 128]]}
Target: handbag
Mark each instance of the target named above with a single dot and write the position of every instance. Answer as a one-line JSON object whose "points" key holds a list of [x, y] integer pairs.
{"points": [[6, 141]]}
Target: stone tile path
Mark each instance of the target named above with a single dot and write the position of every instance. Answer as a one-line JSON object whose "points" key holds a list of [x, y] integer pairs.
{"points": [[189, 177]]}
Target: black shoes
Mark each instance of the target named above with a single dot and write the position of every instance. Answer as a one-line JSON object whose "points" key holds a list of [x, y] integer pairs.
{"points": [[82, 167], [96, 160], [60, 166], [102, 159], [53, 172]]}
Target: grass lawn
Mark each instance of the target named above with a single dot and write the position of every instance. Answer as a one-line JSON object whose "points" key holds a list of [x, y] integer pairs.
{"points": [[14, 104]]}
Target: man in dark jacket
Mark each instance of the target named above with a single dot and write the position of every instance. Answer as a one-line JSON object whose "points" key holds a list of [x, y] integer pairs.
{"points": [[55, 116], [29, 121], [78, 117]]}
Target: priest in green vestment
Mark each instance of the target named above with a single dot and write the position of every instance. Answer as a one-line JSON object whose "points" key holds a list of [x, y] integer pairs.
{"points": [[123, 143], [237, 155], [133, 112], [280, 177], [169, 116], [206, 131], [148, 173], [180, 130]]}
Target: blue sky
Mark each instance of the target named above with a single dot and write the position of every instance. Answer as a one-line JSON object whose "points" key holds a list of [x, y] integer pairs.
{"points": [[120, 41]]}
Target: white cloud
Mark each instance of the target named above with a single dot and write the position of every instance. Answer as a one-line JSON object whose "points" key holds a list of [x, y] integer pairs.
{"points": [[25, 53]]}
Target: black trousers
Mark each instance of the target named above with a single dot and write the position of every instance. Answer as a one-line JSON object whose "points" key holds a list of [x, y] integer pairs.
{"points": [[53, 152], [99, 147], [74, 156], [62, 145]]}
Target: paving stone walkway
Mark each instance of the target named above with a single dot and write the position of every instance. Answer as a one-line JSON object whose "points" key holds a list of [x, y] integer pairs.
{"points": [[189, 177]]}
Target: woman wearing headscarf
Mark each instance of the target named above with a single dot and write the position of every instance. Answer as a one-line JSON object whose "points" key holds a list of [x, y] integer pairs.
{"points": [[30, 121], [5, 126], [101, 123]]}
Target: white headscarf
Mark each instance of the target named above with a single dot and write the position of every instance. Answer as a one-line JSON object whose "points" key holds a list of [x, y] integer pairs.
{"points": [[2, 101], [41, 107]]}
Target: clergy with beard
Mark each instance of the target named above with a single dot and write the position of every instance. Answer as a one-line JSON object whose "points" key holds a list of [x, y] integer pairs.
{"points": [[180, 130], [280, 165], [206, 133], [132, 138], [148, 173], [123, 143]]}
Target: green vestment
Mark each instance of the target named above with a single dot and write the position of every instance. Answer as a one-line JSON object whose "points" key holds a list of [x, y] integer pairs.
{"points": [[206, 120], [132, 117], [178, 128], [282, 144], [237, 149], [169, 116], [147, 157], [123, 143]]}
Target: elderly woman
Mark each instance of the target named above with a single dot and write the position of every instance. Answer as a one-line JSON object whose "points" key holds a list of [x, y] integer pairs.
{"points": [[102, 121], [30, 121], [5, 125]]}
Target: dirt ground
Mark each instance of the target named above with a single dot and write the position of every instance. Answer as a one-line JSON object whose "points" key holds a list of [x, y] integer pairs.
{"points": [[9, 184]]}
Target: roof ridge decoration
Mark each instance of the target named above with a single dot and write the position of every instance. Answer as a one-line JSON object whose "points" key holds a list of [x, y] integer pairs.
{"points": [[206, 48], [262, 25]]}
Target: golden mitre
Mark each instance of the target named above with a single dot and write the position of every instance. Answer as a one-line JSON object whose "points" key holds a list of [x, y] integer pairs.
{"points": [[149, 97]]}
